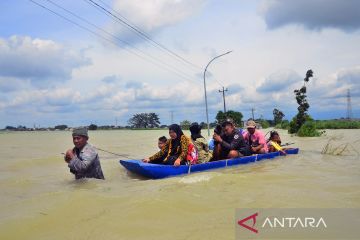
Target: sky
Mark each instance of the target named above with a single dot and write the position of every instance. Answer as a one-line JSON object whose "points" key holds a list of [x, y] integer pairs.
{"points": [[76, 64]]}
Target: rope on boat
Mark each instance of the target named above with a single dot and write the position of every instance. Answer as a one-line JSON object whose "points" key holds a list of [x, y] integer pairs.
{"points": [[116, 154], [189, 170], [226, 162]]}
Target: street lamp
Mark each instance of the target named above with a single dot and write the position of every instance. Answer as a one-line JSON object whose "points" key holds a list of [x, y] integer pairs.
{"points": [[207, 111]]}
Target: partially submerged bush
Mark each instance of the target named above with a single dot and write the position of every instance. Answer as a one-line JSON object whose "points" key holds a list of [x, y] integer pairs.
{"points": [[308, 129], [293, 125], [283, 125], [264, 124]]}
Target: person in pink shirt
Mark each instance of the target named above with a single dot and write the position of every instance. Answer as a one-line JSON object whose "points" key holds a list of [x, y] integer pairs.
{"points": [[255, 138]]}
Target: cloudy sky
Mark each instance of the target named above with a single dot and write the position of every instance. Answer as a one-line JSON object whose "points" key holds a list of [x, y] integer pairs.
{"points": [[74, 63]]}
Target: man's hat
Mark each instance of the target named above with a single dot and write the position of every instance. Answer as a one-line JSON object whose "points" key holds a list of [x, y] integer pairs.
{"points": [[227, 122], [250, 124], [82, 131]]}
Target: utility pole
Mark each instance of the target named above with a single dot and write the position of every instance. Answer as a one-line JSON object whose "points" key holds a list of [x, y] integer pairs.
{"points": [[252, 113], [223, 93], [349, 109]]}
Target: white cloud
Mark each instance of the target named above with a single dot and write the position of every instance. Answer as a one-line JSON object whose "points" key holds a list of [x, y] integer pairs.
{"points": [[186, 99], [312, 14], [337, 84], [279, 81], [152, 15], [11, 84], [350, 76], [42, 62], [47, 79]]}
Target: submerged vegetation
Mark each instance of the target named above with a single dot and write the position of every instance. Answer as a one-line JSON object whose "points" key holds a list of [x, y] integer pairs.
{"points": [[336, 147], [326, 124], [308, 129], [302, 123], [264, 123], [337, 124]]}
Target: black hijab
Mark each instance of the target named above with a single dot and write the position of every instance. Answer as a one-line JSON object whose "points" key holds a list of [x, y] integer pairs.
{"points": [[175, 143], [195, 130]]}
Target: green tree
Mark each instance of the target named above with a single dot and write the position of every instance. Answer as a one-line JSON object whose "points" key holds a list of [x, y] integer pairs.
{"points": [[212, 125], [144, 120], [300, 96], [153, 120], [283, 125], [61, 127], [185, 125], [203, 125], [93, 127], [264, 123], [235, 116], [308, 129], [278, 116]]}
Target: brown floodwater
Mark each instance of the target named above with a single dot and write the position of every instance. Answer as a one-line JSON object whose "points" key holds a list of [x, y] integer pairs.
{"points": [[41, 200]]}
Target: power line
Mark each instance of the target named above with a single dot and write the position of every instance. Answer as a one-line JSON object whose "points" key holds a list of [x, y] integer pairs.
{"points": [[219, 82], [141, 33], [125, 42], [124, 21], [168, 67]]}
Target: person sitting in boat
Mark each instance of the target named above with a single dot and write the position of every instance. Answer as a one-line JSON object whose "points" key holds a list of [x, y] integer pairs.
{"points": [[230, 143], [255, 138], [161, 145], [274, 143], [161, 142], [83, 159], [175, 149], [204, 154], [217, 130]]}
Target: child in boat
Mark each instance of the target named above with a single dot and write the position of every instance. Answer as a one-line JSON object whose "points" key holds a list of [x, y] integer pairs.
{"points": [[204, 155], [175, 150], [274, 143], [161, 144]]}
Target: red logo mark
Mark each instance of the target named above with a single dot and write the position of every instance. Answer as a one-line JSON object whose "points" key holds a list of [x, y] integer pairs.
{"points": [[253, 217]]}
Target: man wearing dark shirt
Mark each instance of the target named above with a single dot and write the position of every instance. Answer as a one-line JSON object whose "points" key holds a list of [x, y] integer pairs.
{"points": [[230, 144]]}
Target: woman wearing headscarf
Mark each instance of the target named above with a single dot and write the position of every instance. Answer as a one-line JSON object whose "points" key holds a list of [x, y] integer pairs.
{"points": [[200, 143], [175, 149]]}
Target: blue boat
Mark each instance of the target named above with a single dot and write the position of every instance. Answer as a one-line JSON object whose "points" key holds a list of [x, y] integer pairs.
{"points": [[157, 171]]}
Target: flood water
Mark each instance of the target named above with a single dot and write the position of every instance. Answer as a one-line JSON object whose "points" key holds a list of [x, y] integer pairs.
{"points": [[41, 200]]}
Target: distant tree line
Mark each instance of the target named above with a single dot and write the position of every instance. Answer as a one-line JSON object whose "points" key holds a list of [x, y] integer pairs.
{"points": [[19, 128], [302, 124], [144, 120]]}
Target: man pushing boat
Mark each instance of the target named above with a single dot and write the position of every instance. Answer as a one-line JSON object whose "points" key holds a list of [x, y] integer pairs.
{"points": [[83, 159]]}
